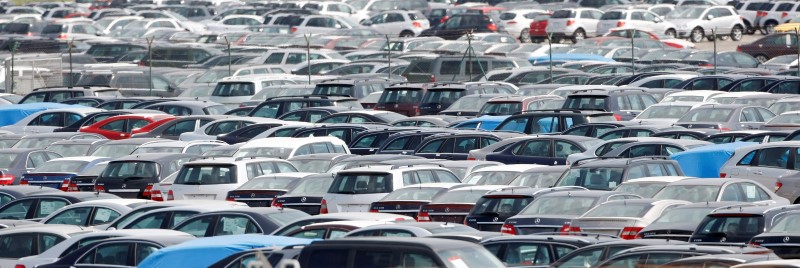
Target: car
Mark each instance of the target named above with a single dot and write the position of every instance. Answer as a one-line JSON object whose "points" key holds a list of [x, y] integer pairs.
{"points": [[21, 240], [8, 194], [39, 205], [728, 260], [58, 94], [648, 186], [58, 173], [277, 106], [654, 147], [542, 121], [182, 108], [460, 24], [285, 148], [637, 214], [16, 162], [120, 148], [409, 229], [512, 250], [92, 213], [261, 190], [697, 22], [80, 147], [312, 114], [133, 176], [636, 18], [665, 112], [492, 210], [725, 117], [408, 200], [48, 120], [687, 134], [456, 146], [42, 140], [96, 117], [496, 174], [123, 126], [770, 46], [737, 224], [454, 205], [238, 221], [210, 130], [317, 163], [450, 68], [93, 255], [594, 254], [543, 150], [779, 236], [442, 95], [406, 24], [670, 253], [607, 173], [680, 222], [213, 178], [753, 162], [573, 23]]}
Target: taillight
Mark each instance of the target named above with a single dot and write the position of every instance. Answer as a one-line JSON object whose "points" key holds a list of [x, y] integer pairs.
{"points": [[471, 158], [723, 175], [639, 236], [492, 27], [570, 22], [755, 244], [170, 196], [373, 210], [62, 36], [564, 229], [65, 185], [423, 216], [443, 19], [155, 195], [323, 208], [19, 266], [29, 34], [573, 229], [416, 24], [99, 188], [433, 79], [706, 65], [618, 117], [417, 112], [23, 182], [275, 203], [508, 229], [739, 48], [784, 14], [621, 23], [629, 233], [723, 128], [6, 179], [778, 186], [73, 187], [294, 29], [511, 22], [148, 191]]}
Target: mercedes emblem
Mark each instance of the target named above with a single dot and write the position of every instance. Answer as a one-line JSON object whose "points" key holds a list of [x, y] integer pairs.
{"points": [[786, 239], [303, 199], [397, 207], [723, 240], [123, 186], [446, 209], [495, 219], [252, 195], [537, 220]]}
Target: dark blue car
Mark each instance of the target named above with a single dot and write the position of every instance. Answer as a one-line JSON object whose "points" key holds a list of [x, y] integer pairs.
{"points": [[543, 150]]}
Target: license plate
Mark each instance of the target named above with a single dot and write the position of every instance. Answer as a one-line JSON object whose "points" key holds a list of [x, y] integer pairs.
{"points": [[201, 196]]}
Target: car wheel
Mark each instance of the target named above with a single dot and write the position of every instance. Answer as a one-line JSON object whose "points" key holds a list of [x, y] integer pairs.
{"points": [[525, 36], [769, 27], [697, 35], [671, 33], [405, 34], [750, 29], [578, 35], [737, 33], [723, 37], [761, 58]]}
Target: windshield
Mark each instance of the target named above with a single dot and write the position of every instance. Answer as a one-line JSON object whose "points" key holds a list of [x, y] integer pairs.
{"points": [[278, 152], [686, 13], [671, 112], [95, 170], [733, 227], [211, 76], [684, 215], [501, 108], [619, 209], [415, 193], [599, 178], [587, 102], [334, 90], [491, 177], [233, 89], [130, 169], [645, 190], [786, 224], [268, 183], [361, 184], [460, 197], [115, 151], [691, 193], [501, 206], [445, 97], [537, 180], [396, 96], [312, 165], [470, 103], [559, 205], [69, 150], [60, 167], [312, 186], [707, 115], [205, 175], [153, 150]]}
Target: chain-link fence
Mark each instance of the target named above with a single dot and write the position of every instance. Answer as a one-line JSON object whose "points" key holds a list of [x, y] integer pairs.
{"points": [[27, 72]]}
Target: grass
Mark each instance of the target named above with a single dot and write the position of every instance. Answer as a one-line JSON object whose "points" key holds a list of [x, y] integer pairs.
{"points": [[25, 2]]}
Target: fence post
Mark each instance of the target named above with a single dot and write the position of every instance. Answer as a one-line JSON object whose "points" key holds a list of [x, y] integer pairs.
{"points": [[229, 55], [714, 34], [71, 76], [388, 57], [150, 63], [13, 51], [550, 53], [308, 55], [633, 53]]}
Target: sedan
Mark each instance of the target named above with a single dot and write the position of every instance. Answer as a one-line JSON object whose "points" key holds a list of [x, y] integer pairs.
{"points": [[8, 194], [123, 126], [725, 117], [729, 189], [16, 162], [58, 173], [545, 150], [91, 213], [40, 205], [32, 240], [623, 218], [104, 253], [680, 222], [411, 229], [239, 221]]}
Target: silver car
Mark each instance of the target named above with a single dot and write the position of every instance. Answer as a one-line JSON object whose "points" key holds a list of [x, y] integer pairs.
{"points": [[623, 218], [766, 164], [697, 22], [573, 23], [725, 117]]}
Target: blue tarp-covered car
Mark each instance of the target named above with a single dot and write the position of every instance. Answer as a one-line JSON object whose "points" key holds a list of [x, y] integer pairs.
{"points": [[706, 161], [11, 114], [204, 252]]}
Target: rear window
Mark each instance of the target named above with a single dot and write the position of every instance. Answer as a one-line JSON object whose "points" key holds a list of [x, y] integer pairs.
{"points": [[334, 90], [415, 193], [130, 169], [361, 184], [419, 66], [732, 227], [613, 15], [559, 205], [501, 108], [562, 14], [312, 186], [537, 180], [443, 96], [707, 115], [691, 193], [460, 197], [585, 102], [60, 166], [205, 175], [684, 215], [787, 224], [491, 177], [404, 95], [508, 16], [619, 209], [593, 178], [234, 89], [501, 206], [52, 29], [7, 159], [267, 183]]}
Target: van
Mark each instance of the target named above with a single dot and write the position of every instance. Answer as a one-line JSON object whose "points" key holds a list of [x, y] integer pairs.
{"points": [[404, 98], [285, 147], [179, 56], [454, 68]]}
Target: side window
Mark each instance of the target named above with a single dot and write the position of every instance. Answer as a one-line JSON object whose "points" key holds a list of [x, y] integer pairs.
{"points": [[417, 260], [410, 178], [747, 160], [274, 58], [753, 193], [197, 226], [732, 193], [564, 149], [48, 206], [432, 147], [426, 176], [535, 148], [16, 211], [116, 125], [635, 172], [16, 246], [464, 145], [235, 224], [180, 127], [444, 176], [142, 251], [47, 241], [655, 170], [111, 254], [519, 254], [104, 216], [773, 157], [643, 150], [370, 259], [48, 119]]}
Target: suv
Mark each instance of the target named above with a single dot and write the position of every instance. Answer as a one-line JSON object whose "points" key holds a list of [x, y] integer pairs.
{"points": [[80, 30], [456, 146], [454, 68], [105, 52], [407, 141], [515, 104], [635, 18], [551, 121], [780, 13], [350, 87], [212, 179], [178, 56], [58, 94], [354, 190], [461, 24], [737, 224], [606, 173], [769, 164], [696, 22], [495, 207], [404, 98], [573, 23], [277, 106], [442, 95], [133, 176], [624, 103]]}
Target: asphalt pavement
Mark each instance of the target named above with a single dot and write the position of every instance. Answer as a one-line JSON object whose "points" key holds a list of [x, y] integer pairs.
{"points": [[727, 45]]}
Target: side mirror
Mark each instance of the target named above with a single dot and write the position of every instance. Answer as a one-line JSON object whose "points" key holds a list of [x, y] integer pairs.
{"points": [[710, 17], [366, 23], [657, 20]]}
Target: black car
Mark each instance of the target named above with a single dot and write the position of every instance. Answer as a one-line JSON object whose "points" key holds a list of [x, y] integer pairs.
{"points": [[39, 205], [624, 103], [173, 129], [593, 254], [543, 150], [184, 108], [593, 129], [737, 224], [104, 52], [368, 142], [261, 190], [407, 141], [359, 88], [246, 221], [785, 86], [782, 237], [636, 131], [456, 146], [277, 106], [133, 176], [729, 136], [686, 134], [90, 101], [553, 212], [552, 121], [754, 83], [537, 250], [606, 173], [346, 132], [80, 147], [680, 222], [708, 82], [8, 194], [273, 256], [442, 95], [90, 119], [494, 208], [306, 195], [408, 200], [312, 114], [460, 24], [117, 252], [246, 133]]}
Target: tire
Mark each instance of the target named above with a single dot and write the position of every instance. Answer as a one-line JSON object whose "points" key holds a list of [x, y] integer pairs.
{"points": [[769, 27], [671, 32], [405, 34], [525, 36], [697, 35], [723, 37], [578, 35], [761, 58], [749, 28], [737, 33]]}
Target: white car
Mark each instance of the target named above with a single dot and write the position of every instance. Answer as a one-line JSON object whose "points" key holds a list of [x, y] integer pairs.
{"points": [[48, 120], [648, 186], [354, 190], [728, 98], [91, 213], [319, 24], [178, 147], [65, 247], [497, 175], [169, 217], [233, 91], [781, 12], [662, 81], [605, 147], [212, 179], [518, 22], [691, 96], [235, 23], [285, 147], [399, 23], [622, 218], [639, 19], [19, 242], [697, 22], [215, 128], [573, 23]]}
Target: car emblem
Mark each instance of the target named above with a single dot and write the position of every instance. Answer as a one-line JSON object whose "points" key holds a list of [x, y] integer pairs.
{"points": [[786, 239], [123, 186], [446, 209], [253, 195], [397, 207], [45, 177], [303, 199], [722, 240], [690, 126], [495, 219], [537, 220], [669, 231]]}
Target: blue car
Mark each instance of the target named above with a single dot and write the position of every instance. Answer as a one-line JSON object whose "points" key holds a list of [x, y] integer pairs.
{"points": [[59, 172], [480, 123], [11, 114], [568, 58], [543, 150]]}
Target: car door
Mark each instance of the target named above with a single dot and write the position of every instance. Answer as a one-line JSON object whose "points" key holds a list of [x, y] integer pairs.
{"points": [[562, 149], [53, 119], [436, 149], [201, 226], [589, 20], [15, 246], [113, 129], [114, 254], [532, 152], [175, 130], [462, 147], [766, 165], [750, 118]]}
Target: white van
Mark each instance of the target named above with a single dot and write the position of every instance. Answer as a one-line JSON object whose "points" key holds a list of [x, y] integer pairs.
{"points": [[211, 179], [285, 148], [354, 190]]}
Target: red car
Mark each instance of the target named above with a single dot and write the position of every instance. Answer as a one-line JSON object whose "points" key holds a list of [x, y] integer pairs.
{"points": [[123, 126], [537, 28]]}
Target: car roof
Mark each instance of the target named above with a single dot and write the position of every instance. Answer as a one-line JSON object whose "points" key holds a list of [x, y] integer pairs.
{"points": [[667, 179], [154, 157], [433, 243], [510, 168]]}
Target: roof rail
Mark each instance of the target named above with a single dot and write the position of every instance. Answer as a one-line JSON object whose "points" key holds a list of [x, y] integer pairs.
{"points": [[416, 165], [256, 157], [793, 207], [592, 159], [740, 206], [653, 157]]}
